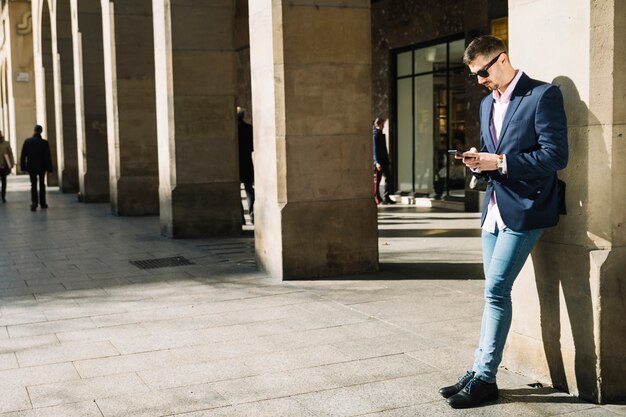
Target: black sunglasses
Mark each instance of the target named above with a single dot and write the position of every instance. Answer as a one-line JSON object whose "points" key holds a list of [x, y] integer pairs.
{"points": [[483, 72]]}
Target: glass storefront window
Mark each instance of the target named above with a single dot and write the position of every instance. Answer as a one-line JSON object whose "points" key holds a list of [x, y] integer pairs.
{"points": [[430, 119]]}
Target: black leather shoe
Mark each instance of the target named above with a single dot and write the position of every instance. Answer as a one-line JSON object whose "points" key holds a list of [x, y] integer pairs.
{"points": [[44, 206], [448, 392], [388, 201], [475, 393], [33, 208]]}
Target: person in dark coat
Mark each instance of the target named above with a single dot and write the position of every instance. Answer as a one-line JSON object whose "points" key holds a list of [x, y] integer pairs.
{"points": [[246, 168], [6, 164], [381, 164], [37, 160]]}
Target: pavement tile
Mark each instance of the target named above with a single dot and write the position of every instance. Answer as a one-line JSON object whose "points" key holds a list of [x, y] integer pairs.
{"points": [[545, 400], [25, 343], [163, 402], [452, 357], [103, 333], [311, 337], [87, 389], [12, 283], [83, 409], [295, 359], [65, 353], [268, 386], [14, 399], [50, 327], [370, 347], [195, 337], [196, 373], [35, 375], [39, 289], [369, 370], [22, 317], [4, 334], [91, 368], [281, 407], [619, 409], [367, 398], [89, 284], [440, 408], [224, 350], [8, 361]]}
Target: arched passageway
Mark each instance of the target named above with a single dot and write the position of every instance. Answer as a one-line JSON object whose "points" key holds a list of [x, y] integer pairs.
{"points": [[93, 161]]}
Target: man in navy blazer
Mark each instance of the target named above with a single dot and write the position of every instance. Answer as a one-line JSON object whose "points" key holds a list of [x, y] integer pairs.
{"points": [[523, 143], [36, 160]]}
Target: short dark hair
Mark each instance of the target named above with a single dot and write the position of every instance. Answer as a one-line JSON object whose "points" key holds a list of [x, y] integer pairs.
{"points": [[38, 129], [486, 46]]}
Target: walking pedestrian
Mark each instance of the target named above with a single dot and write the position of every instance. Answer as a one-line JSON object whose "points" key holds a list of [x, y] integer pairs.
{"points": [[6, 164], [382, 165], [246, 167], [36, 160]]}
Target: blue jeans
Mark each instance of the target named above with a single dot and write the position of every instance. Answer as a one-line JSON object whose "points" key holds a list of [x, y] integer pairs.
{"points": [[504, 255]]}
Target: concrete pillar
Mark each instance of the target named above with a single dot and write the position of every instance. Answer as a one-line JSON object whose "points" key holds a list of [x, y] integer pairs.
{"points": [[311, 74], [20, 77], [131, 111], [196, 128], [67, 148], [569, 304], [91, 122], [47, 114]]}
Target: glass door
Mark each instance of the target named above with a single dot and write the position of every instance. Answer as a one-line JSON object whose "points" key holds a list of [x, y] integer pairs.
{"points": [[429, 119]]}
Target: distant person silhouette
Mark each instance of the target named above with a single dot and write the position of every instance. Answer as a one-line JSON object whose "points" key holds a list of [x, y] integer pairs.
{"points": [[246, 168], [37, 160], [381, 163], [6, 164]]}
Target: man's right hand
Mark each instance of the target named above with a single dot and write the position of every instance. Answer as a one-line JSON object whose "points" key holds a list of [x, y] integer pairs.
{"points": [[378, 166]]}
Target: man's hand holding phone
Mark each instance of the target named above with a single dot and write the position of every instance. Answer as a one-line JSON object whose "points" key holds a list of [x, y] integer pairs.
{"points": [[480, 161], [468, 156]]}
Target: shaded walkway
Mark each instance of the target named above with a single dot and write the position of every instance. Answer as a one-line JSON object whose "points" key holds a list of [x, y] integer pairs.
{"points": [[83, 332]]}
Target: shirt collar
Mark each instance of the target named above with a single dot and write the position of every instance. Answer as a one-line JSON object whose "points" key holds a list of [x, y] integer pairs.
{"points": [[506, 96]]}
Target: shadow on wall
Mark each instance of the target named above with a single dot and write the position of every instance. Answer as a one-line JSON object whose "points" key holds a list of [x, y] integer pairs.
{"points": [[568, 266]]}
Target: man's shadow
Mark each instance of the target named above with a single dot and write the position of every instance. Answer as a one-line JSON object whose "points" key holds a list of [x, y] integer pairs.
{"points": [[562, 260]]}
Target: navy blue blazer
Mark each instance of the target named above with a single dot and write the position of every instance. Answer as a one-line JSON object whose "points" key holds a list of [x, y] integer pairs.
{"points": [[534, 139]]}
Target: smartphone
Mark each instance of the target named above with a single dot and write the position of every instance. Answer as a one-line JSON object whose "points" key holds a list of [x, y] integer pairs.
{"points": [[457, 154]]}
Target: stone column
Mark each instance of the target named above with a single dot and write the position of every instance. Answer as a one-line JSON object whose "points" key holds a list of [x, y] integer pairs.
{"points": [[196, 128], [68, 156], [311, 73], [131, 112], [91, 123], [20, 75], [49, 70], [569, 303]]}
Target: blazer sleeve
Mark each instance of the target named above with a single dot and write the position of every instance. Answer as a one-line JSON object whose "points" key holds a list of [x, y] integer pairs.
{"points": [[551, 130], [483, 147]]}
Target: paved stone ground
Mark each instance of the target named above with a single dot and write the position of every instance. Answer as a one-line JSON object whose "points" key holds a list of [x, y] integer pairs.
{"points": [[83, 332]]}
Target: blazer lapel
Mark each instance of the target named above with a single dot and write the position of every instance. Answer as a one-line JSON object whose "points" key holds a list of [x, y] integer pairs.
{"points": [[516, 98], [485, 124]]}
